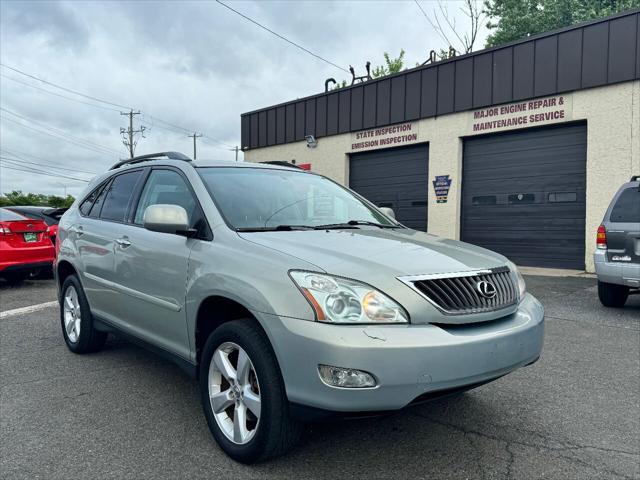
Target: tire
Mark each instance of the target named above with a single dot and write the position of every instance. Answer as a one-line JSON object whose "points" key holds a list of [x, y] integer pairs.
{"points": [[89, 339], [612, 295], [274, 432]]}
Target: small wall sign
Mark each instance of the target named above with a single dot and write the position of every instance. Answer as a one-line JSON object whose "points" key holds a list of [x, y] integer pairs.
{"points": [[384, 137], [441, 186], [522, 114]]}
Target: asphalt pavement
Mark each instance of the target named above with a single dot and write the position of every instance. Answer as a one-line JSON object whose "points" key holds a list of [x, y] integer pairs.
{"points": [[125, 413]]}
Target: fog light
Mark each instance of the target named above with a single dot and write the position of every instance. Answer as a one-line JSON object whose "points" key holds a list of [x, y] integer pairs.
{"points": [[345, 377]]}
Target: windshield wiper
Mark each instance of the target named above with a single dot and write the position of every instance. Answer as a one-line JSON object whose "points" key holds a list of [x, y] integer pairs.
{"points": [[353, 224], [277, 228]]}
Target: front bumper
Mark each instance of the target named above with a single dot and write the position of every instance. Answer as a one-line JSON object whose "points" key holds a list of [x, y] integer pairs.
{"points": [[408, 361]]}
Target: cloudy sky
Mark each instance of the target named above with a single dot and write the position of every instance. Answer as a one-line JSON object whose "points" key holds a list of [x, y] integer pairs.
{"points": [[188, 66]]}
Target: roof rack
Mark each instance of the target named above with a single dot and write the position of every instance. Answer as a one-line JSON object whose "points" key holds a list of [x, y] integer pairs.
{"points": [[152, 156], [282, 163], [635, 178]]}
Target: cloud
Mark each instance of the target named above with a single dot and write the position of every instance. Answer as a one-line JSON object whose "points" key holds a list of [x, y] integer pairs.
{"points": [[193, 64]]}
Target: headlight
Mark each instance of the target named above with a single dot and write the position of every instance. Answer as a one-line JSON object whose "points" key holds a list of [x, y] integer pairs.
{"points": [[339, 300], [522, 286]]}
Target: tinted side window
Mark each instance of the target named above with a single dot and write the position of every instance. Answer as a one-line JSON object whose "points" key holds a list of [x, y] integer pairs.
{"points": [[97, 205], [85, 207], [627, 207], [165, 187], [117, 196]]}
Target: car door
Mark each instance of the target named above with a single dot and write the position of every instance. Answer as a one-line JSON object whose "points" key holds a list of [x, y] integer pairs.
{"points": [[95, 250], [95, 236], [151, 267]]}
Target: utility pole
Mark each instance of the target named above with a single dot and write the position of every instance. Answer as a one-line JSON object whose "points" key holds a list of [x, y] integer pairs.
{"points": [[129, 134], [194, 136], [235, 149]]}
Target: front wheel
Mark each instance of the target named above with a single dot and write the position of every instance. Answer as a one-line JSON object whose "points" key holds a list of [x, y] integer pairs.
{"points": [[243, 394], [612, 295]]}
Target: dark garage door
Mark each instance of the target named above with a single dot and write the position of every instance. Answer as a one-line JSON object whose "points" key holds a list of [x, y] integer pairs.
{"points": [[397, 178], [524, 195]]}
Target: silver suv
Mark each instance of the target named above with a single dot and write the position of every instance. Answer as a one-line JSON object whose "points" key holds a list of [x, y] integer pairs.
{"points": [[289, 297], [617, 256]]}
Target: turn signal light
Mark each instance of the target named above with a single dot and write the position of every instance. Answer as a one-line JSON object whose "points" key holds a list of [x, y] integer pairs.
{"points": [[601, 237]]}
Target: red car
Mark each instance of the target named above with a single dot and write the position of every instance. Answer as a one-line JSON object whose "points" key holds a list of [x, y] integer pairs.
{"points": [[25, 246], [50, 215]]}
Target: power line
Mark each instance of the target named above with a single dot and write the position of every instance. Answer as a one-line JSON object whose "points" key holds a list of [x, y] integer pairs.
{"points": [[183, 129], [65, 88], [54, 136], [281, 37], [61, 132], [21, 155], [40, 172], [57, 94], [22, 160]]}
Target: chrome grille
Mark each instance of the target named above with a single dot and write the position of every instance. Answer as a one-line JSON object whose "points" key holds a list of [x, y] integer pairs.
{"points": [[462, 293]]}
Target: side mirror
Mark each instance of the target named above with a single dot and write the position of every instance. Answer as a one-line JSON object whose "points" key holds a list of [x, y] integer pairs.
{"points": [[166, 219], [388, 212]]}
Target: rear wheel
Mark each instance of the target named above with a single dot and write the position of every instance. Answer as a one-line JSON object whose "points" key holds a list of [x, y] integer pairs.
{"points": [[612, 295], [243, 394], [76, 319]]}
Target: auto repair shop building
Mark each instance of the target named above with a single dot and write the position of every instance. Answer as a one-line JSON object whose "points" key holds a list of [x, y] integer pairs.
{"points": [[517, 148]]}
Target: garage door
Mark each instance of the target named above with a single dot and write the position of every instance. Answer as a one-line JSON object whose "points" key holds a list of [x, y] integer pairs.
{"points": [[524, 195], [396, 178]]}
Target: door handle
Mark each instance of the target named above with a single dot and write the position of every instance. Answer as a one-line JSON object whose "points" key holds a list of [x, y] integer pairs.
{"points": [[123, 242], [77, 230]]}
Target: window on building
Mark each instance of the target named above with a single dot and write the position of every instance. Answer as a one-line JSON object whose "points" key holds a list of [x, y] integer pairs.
{"points": [[484, 200], [522, 198], [562, 197]]}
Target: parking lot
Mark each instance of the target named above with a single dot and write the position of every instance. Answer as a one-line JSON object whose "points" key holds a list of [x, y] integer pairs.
{"points": [[125, 413]]}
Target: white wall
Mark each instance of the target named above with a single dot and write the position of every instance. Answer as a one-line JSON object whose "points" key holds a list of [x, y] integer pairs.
{"points": [[613, 153]]}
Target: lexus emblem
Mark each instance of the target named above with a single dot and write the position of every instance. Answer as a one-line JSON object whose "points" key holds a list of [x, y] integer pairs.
{"points": [[486, 289]]}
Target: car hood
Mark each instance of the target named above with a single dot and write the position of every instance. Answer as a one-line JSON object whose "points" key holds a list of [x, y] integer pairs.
{"points": [[369, 252]]}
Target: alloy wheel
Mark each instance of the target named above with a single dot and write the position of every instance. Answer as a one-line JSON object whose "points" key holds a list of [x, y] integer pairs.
{"points": [[72, 314], [234, 393]]}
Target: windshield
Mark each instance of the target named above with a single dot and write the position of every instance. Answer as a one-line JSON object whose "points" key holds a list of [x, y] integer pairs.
{"points": [[259, 198]]}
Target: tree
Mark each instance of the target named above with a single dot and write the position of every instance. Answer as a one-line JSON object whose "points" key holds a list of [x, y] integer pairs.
{"points": [[444, 24], [17, 198], [392, 65], [514, 19]]}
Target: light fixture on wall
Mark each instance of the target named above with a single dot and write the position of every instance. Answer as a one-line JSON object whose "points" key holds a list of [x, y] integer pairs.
{"points": [[311, 141]]}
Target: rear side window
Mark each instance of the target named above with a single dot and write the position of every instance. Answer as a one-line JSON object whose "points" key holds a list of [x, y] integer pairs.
{"points": [[117, 196], [627, 207], [85, 207]]}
